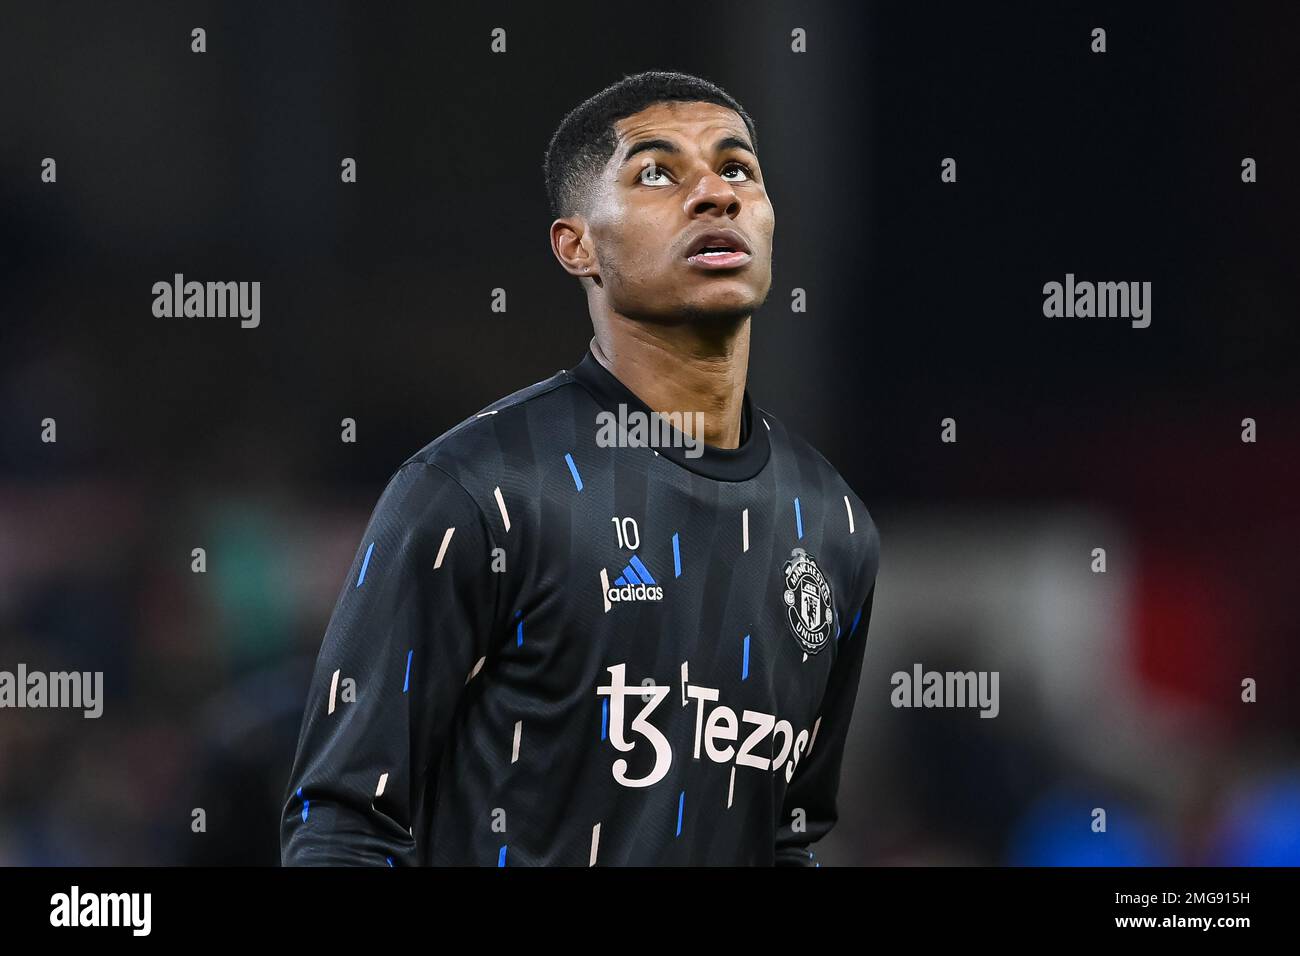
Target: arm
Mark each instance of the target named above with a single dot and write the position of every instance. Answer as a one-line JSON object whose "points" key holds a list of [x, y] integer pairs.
{"points": [[816, 780], [405, 635]]}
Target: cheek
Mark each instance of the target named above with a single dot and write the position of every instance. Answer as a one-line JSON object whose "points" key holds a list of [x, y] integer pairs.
{"points": [[642, 251], [768, 224]]}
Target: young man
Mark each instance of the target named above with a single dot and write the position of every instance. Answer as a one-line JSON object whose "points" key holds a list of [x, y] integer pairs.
{"points": [[562, 643]]}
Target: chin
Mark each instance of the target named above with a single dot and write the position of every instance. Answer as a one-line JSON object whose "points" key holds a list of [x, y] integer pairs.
{"points": [[725, 300], [720, 308]]}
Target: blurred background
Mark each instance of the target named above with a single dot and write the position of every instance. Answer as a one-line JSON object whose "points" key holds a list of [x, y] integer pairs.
{"points": [[1119, 690]]}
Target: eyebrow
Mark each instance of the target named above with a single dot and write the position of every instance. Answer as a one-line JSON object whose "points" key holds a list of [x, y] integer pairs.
{"points": [[665, 146]]}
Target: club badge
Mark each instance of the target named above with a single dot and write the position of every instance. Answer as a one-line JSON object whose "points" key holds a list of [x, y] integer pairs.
{"points": [[807, 601]]}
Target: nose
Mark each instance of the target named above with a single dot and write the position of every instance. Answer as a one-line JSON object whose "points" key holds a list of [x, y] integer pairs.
{"points": [[711, 193]]}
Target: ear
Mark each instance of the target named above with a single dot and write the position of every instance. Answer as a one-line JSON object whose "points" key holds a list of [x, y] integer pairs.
{"points": [[573, 248]]}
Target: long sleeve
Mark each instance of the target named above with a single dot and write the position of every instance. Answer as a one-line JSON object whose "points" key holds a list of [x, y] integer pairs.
{"points": [[811, 796], [414, 616]]}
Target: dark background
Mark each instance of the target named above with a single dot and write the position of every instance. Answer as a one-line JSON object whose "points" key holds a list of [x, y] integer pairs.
{"points": [[1119, 691]]}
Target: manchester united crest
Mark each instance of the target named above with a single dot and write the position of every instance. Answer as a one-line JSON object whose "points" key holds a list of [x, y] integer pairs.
{"points": [[807, 601]]}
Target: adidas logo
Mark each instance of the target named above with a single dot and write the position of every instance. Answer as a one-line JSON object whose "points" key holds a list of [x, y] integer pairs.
{"points": [[636, 583]]}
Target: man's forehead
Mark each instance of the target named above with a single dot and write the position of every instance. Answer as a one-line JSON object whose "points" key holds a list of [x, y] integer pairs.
{"points": [[688, 119]]}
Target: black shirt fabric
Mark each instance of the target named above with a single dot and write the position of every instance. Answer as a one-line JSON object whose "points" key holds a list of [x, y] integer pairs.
{"points": [[555, 649]]}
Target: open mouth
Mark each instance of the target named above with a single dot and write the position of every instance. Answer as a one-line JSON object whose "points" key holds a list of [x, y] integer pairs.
{"points": [[719, 258], [718, 252]]}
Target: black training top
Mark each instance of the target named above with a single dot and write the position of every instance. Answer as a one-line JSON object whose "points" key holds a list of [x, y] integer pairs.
{"points": [[558, 645]]}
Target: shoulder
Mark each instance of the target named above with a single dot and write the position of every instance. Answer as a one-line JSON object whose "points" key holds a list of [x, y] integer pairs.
{"points": [[491, 458], [508, 429], [836, 491]]}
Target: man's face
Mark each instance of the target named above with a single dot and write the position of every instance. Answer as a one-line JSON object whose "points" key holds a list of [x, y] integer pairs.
{"points": [[691, 171]]}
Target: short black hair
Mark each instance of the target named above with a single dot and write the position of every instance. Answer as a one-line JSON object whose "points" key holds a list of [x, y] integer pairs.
{"points": [[585, 139]]}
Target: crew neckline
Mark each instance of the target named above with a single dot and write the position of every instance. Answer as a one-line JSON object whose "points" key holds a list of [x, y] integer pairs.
{"points": [[721, 464]]}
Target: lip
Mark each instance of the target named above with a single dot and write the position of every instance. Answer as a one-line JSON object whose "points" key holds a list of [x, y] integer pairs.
{"points": [[719, 237], [727, 260]]}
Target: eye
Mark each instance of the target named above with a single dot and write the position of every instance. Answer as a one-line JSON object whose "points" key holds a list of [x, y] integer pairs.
{"points": [[654, 170], [744, 168]]}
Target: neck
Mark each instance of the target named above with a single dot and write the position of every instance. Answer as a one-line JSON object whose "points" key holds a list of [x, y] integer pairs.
{"points": [[685, 367]]}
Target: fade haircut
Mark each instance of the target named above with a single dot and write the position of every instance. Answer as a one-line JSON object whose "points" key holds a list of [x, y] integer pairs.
{"points": [[585, 139]]}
